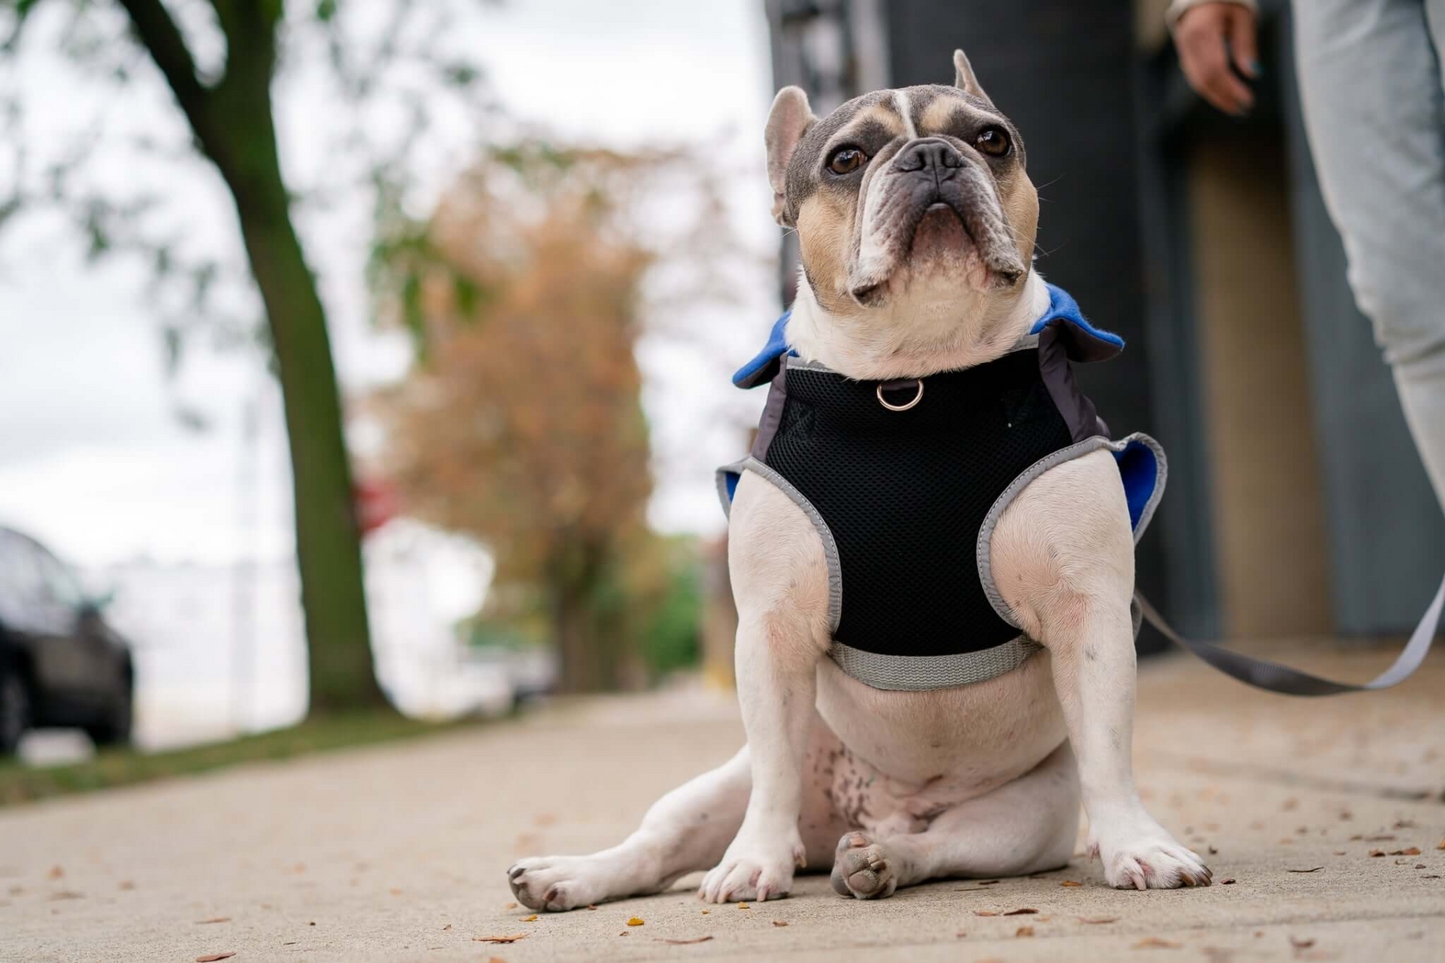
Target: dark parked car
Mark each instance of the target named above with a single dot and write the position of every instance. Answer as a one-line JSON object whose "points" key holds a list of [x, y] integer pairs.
{"points": [[60, 664]]}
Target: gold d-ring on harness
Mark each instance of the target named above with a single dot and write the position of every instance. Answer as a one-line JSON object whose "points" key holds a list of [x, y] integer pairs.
{"points": [[916, 398]]}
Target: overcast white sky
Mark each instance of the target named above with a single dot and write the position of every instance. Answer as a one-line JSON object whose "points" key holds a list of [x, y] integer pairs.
{"points": [[92, 457]]}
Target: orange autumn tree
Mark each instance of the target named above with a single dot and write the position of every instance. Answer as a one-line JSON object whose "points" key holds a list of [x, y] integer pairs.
{"points": [[522, 423]]}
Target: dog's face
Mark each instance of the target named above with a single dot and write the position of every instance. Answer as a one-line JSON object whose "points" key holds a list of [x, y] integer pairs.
{"points": [[909, 203]]}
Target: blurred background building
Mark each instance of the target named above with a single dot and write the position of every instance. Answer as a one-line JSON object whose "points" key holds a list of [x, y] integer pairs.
{"points": [[1296, 502]]}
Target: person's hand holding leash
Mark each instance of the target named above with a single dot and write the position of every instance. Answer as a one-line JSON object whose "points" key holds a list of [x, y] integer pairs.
{"points": [[1215, 40]]}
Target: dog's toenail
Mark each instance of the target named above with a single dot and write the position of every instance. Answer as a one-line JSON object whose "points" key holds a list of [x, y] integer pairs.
{"points": [[515, 872]]}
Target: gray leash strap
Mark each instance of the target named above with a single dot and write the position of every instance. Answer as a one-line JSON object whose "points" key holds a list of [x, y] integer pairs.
{"points": [[1273, 677]]}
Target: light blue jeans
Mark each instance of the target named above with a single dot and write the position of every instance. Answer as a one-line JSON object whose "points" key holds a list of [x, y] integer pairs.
{"points": [[1373, 88]]}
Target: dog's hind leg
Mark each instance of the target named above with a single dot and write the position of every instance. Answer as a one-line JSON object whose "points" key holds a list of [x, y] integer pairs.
{"points": [[1026, 826], [688, 829]]}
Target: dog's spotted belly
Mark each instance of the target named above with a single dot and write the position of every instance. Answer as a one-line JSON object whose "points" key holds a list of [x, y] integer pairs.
{"points": [[893, 761]]}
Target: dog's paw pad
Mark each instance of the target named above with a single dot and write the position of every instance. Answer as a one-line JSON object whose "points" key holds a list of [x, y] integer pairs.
{"points": [[862, 868]]}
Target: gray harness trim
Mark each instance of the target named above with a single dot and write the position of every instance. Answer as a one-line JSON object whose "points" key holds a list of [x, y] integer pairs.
{"points": [[915, 673], [990, 521], [830, 547]]}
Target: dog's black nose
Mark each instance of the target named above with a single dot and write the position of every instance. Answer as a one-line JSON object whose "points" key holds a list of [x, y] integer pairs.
{"points": [[928, 154]]}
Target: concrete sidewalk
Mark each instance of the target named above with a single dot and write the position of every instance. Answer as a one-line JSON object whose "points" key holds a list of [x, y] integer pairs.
{"points": [[397, 853]]}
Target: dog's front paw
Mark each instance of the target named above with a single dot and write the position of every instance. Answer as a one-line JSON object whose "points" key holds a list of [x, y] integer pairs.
{"points": [[1144, 856], [863, 869], [753, 870]]}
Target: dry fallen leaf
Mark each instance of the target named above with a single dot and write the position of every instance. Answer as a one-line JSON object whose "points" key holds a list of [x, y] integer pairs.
{"points": [[985, 912], [700, 939], [528, 919], [1227, 882], [214, 919], [705, 912], [744, 906], [127, 884], [1024, 931], [499, 939], [1301, 944], [447, 927], [1412, 851], [1442, 843], [780, 922], [1071, 882], [1098, 920], [1026, 911], [1312, 869], [510, 906], [1419, 865], [1153, 942], [213, 957], [1377, 852], [592, 906], [55, 873], [634, 921]]}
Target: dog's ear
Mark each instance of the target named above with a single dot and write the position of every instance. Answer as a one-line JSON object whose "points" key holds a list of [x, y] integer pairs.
{"points": [[787, 121], [964, 79]]}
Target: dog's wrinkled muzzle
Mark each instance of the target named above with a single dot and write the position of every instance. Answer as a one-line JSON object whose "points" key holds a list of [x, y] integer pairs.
{"points": [[925, 175]]}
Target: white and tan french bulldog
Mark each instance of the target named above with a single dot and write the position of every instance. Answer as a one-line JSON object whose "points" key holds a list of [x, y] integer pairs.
{"points": [[904, 277]]}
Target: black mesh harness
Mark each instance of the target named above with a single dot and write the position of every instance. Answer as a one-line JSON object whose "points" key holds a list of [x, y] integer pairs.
{"points": [[905, 481]]}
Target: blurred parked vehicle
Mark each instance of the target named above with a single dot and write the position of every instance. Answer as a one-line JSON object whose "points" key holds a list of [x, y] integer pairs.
{"points": [[60, 663]]}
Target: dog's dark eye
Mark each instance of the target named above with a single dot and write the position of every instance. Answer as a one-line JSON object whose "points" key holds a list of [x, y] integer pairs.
{"points": [[992, 141], [846, 160]]}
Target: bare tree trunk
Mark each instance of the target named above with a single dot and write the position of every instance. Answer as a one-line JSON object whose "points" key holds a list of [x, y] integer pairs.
{"points": [[587, 665], [577, 650], [327, 542], [235, 127]]}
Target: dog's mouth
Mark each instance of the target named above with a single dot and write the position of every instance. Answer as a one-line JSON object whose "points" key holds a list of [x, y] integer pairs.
{"points": [[940, 230], [954, 228]]}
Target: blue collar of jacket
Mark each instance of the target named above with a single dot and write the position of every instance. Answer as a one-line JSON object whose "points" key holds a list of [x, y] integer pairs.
{"points": [[1082, 341]]}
